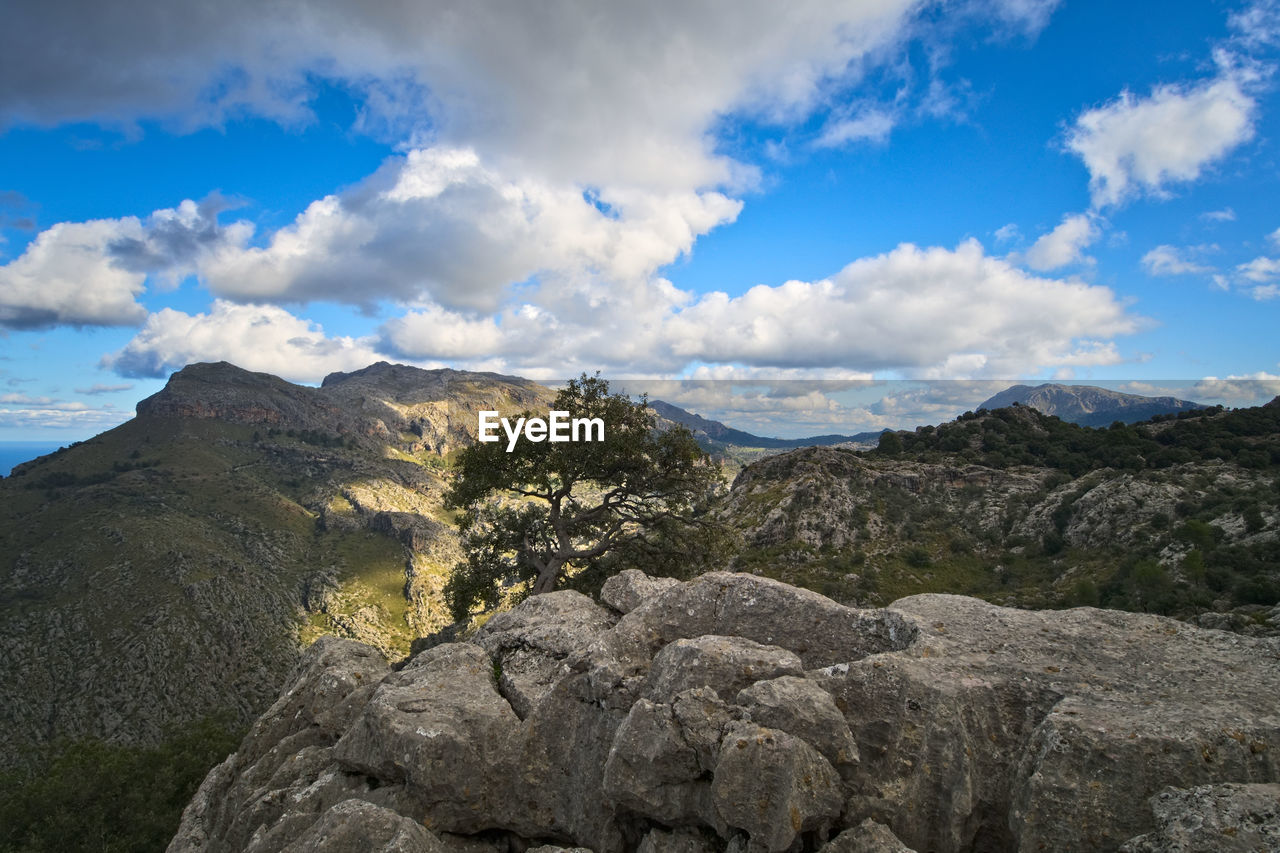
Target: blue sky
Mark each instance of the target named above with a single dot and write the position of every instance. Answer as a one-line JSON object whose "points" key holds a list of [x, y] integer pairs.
{"points": [[976, 190]]}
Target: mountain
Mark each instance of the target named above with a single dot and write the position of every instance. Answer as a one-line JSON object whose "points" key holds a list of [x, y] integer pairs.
{"points": [[176, 566], [1088, 405], [718, 435], [1180, 516]]}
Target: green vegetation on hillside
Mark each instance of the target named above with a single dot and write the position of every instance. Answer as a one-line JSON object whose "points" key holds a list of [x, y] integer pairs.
{"points": [[88, 796], [1177, 515], [1019, 435]]}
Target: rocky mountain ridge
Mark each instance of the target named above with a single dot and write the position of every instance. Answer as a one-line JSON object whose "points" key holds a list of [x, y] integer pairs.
{"points": [[1088, 405], [1178, 516], [176, 566], [735, 713]]}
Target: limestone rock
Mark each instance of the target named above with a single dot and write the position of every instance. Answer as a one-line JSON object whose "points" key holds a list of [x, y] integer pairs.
{"points": [[1224, 818], [737, 714], [628, 589], [1049, 730], [866, 837], [774, 786], [438, 726], [724, 664], [802, 708], [353, 826], [682, 840], [530, 645]]}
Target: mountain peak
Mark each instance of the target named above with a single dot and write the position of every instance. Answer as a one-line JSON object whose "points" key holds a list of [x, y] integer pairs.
{"points": [[1087, 405]]}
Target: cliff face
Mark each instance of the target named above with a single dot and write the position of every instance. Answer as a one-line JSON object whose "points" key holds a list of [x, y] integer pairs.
{"points": [[737, 713]]}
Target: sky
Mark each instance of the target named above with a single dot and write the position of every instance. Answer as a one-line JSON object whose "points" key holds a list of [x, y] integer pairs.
{"points": [[864, 192]]}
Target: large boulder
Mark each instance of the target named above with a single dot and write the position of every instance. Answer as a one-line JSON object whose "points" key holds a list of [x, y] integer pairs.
{"points": [[735, 713], [1027, 730]]}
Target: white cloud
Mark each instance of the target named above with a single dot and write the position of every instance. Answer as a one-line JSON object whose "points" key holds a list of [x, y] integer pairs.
{"points": [[92, 273], [626, 94], [1143, 145], [66, 276], [1007, 233], [1274, 237], [1260, 270], [1065, 244], [871, 125], [933, 311], [1225, 215], [439, 334], [173, 242], [1170, 260], [259, 338], [22, 412], [99, 388], [1257, 25], [440, 226], [1251, 389]]}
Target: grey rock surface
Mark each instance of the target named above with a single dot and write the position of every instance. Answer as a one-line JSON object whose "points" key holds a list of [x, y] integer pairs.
{"points": [[736, 713], [354, 826], [866, 837], [1226, 818], [628, 589]]}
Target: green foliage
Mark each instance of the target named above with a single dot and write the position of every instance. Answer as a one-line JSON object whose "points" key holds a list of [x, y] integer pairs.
{"points": [[1084, 593], [95, 796], [1199, 534], [544, 512], [1253, 520], [1022, 436], [890, 444], [917, 557]]}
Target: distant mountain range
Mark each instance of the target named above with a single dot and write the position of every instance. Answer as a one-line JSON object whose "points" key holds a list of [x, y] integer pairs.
{"points": [[717, 433], [1088, 405]]}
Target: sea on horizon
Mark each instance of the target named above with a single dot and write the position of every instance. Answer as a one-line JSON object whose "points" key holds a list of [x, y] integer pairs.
{"points": [[13, 453]]}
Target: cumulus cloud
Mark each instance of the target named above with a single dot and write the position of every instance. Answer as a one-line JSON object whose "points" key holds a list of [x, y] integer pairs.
{"points": [[1065, 244], [255, 337], [931, 311], [173, 241], [92, 273], [920, 312], [439, 225], [440, 334], [1226, 214], [1170, 260], [67, 276], [1139, 145], [624, 94]]}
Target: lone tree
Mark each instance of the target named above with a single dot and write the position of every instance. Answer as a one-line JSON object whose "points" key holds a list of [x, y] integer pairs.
{"points": [[639, 497]]}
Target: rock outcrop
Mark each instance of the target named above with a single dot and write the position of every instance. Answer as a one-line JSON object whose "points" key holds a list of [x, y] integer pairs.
{"points": [[737, 713]]}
